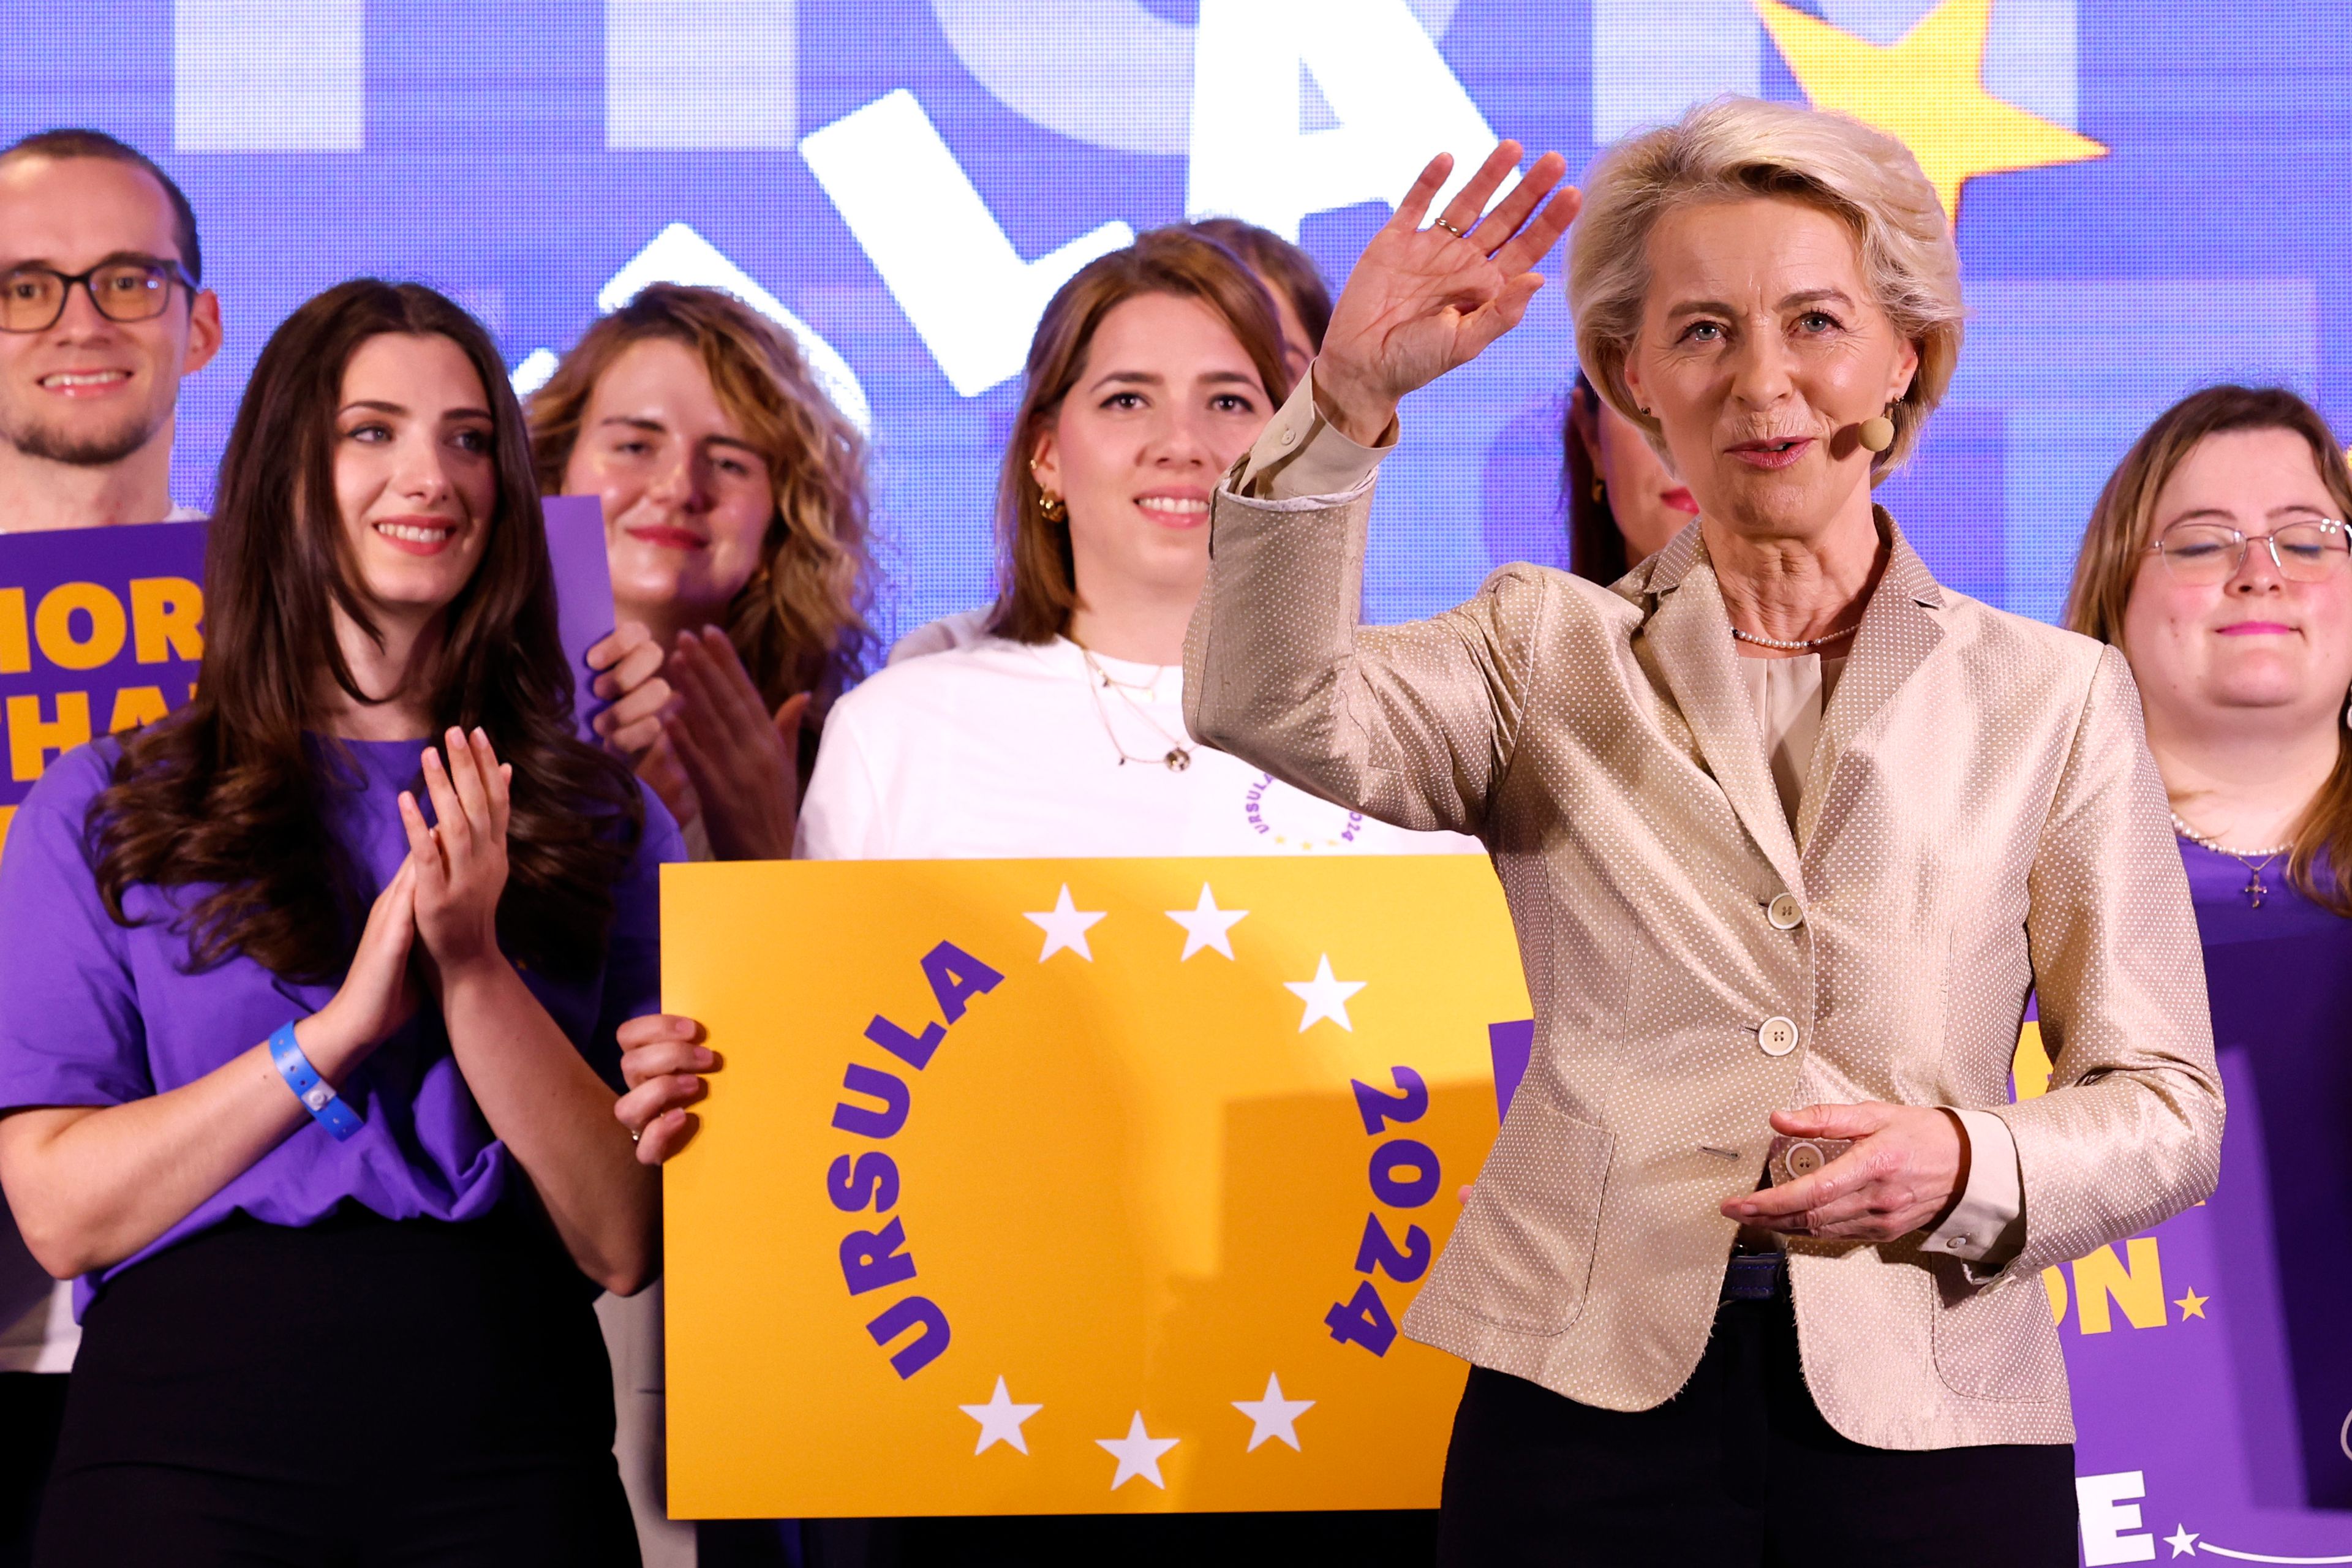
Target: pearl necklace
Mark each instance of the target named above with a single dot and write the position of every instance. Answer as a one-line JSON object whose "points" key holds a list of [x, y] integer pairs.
{"points": [[2253, 889], [1805, 646]]}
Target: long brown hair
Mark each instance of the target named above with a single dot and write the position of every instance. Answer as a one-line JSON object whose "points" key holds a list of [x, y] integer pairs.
{"points": [[1282, 265], [799, 625], [2116, 540], [227, 794], [1040, 580], [1596, 548]]}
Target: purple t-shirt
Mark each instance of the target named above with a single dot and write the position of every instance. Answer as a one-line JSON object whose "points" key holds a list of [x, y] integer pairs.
{"points": [[94, 1013], [2280, 981]]}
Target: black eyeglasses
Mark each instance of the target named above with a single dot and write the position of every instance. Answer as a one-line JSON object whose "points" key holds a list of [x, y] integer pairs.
{"points": [[127, 288]]}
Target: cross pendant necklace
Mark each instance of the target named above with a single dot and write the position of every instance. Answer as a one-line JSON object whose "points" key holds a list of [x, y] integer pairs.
{"points": [[2253, 889]]}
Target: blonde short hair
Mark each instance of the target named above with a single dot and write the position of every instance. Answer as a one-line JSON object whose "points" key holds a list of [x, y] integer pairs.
{"points": [[1734, 148]]}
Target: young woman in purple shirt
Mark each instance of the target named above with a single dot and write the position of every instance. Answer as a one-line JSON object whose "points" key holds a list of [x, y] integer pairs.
{"points": [[2219, 560], [307, 1007]]}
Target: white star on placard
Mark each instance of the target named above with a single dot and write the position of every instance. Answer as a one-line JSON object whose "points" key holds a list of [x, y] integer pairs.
{"points": [[1272, 1417], [1205, 925], [2183, 1540], [1000, 1419], [1065, 925], [1138, 1454], [1324, 996]]}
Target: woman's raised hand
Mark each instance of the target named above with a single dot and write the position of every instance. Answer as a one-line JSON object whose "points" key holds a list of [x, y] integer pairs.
{"points": [[629, 680], [744, 763], [1422, 300], [461, 859], [662, 1061], [375, 997]]}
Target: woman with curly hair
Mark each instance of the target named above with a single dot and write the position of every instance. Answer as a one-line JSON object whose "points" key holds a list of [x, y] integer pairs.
{"points": [[735, 518], [735, 521], [308, 1000]]}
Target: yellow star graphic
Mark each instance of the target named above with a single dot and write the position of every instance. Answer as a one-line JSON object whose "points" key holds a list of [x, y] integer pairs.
{"points": [[2192, 1305], [1928, 92]]}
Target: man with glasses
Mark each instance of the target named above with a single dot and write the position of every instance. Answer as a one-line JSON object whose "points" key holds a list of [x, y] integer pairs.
{"points": [[101, 313], [102, 310]]}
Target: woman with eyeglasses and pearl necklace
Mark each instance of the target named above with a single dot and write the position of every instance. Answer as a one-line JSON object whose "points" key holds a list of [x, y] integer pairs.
{"points": [[2216, 559]]}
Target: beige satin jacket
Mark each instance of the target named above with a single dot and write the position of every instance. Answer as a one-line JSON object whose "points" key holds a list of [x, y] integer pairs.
{"points": [[1982, 820]]}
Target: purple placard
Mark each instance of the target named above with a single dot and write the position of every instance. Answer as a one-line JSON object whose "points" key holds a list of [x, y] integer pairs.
{"points": [[583, 587], [99, 628], [2185, 1395], [99, 631]]}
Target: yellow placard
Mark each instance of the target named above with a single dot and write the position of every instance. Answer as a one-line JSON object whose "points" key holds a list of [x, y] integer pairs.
{"points": [[1072, 1186]]}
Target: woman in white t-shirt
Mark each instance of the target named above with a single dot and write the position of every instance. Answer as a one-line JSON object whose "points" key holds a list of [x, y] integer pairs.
{"points": [[1061, 733], [1009, 750]]}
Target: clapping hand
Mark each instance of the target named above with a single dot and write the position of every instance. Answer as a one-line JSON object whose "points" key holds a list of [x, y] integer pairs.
{"points": [[659, 771], [1423, 300], [375, 997], [461, 859], [743, 762]]}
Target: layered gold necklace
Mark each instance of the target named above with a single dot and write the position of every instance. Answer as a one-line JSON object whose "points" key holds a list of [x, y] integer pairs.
{"points": [[1177, 756]]}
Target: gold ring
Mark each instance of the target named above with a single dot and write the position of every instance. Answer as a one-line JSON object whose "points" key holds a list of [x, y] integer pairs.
{"points": [[635, 1134], [1440, 222]]}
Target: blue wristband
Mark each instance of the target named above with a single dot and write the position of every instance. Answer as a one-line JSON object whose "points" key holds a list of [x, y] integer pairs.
{"points": [[325, 1105]]}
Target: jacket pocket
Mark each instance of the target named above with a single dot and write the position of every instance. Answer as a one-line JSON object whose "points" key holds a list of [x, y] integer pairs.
{"points": [[1522, 1255], [1996, 1340]]}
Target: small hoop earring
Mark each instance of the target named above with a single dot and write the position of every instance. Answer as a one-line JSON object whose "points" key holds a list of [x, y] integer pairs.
{"points": [[1050, 506], [1600, 490], [1877, 433]]}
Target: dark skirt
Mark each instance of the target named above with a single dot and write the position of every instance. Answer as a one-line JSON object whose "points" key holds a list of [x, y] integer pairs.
{"points": [[361, 1391]]}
